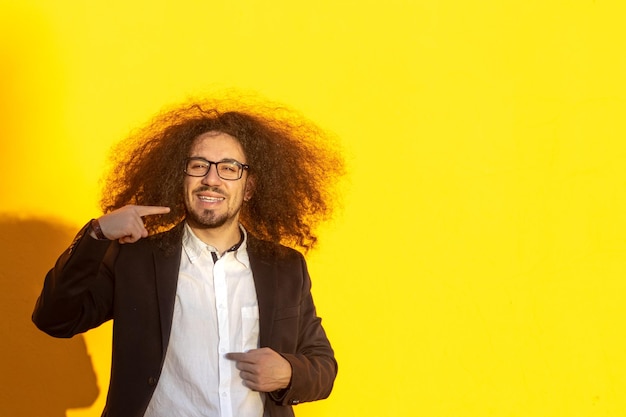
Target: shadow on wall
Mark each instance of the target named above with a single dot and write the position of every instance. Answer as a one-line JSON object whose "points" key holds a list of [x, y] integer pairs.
{"points": [[39, 375]]}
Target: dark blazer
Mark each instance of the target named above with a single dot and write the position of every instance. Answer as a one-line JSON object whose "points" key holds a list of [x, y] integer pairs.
{"points": [[135, 285]]}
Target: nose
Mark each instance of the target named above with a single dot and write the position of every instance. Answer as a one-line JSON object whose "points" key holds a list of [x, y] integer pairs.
{"points": [[211, 177]]}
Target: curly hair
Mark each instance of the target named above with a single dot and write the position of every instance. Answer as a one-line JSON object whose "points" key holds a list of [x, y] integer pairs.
{"points": [[296, 166]]}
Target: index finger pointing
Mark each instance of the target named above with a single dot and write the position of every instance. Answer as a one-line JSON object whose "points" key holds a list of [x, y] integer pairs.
{"points": [[151, 210]]}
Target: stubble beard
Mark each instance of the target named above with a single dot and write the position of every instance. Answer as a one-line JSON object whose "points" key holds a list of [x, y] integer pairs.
{"points": [[207, 220]]}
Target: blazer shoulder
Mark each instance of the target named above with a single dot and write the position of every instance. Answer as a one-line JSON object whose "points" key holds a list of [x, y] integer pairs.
{"points": [[270, 251], [168, 241]]}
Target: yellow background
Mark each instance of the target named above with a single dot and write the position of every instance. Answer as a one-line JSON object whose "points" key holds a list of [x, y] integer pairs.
{"points": [[478, 266]]}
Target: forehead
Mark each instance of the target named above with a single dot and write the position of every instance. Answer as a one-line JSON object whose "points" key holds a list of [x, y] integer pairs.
{"points": [[216, 146]]}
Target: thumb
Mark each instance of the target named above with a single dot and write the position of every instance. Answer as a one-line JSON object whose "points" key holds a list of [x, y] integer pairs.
{"points": [[235, 356]]}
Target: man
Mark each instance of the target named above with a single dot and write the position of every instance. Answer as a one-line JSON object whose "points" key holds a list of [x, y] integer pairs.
{"points": [[212, 316]]}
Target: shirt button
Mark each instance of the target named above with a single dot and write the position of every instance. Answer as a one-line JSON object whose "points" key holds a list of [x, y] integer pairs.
{"points": [[152, 381]]}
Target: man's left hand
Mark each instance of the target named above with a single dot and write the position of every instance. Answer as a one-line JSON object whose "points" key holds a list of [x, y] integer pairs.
{"points": [[263, 369]]}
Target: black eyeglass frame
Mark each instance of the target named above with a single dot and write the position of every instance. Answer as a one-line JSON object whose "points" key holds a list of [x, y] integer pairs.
{"points": [[242, 167]]}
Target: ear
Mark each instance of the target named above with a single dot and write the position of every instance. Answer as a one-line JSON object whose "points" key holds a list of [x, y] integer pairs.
{"points": [[249, 188]]}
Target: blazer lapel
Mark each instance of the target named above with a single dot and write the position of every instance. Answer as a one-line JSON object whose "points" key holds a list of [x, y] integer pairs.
{"points": [[265, 284], [166, 266]]}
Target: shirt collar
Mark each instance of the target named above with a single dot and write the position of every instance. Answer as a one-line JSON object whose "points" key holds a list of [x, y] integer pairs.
{"points": [[193, 247]]}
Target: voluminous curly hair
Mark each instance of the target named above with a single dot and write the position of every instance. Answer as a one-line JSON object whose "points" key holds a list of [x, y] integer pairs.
{"points": [[296, 166]]}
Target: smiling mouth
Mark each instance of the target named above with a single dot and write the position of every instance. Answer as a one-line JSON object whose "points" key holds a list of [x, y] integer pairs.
{"points": [[210, 199]]}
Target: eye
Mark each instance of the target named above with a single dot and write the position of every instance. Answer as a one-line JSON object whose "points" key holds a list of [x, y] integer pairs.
{"points": [[197, 165], [229, 167]]}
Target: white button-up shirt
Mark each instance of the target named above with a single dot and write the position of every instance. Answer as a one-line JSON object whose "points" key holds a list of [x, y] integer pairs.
{"points": [[215, 312]]}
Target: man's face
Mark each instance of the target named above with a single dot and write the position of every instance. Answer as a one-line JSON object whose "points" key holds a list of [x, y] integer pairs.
{"points": [[211, 201]]}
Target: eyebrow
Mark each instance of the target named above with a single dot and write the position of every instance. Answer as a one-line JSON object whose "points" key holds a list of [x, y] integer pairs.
{"points": [[221, 160]]}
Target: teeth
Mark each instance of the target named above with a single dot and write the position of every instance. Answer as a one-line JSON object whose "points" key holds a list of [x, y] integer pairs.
{"points": [[210, 199]]}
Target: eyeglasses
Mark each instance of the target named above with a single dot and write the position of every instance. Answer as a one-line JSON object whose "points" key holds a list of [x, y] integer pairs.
{"points": [[228, 169]]}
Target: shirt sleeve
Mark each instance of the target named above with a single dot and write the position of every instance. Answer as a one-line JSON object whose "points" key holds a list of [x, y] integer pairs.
{"points": [[313, 363]]}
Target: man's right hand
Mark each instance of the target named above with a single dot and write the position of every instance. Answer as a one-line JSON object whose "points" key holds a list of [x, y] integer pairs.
{"points": [[126, 224]]}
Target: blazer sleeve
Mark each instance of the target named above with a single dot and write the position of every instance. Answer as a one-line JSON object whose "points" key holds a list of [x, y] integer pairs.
{"points": [[77, 294], [313, 364]]}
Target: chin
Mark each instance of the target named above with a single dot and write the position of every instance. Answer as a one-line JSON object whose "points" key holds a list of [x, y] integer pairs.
{"points": [[207, 220]]}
